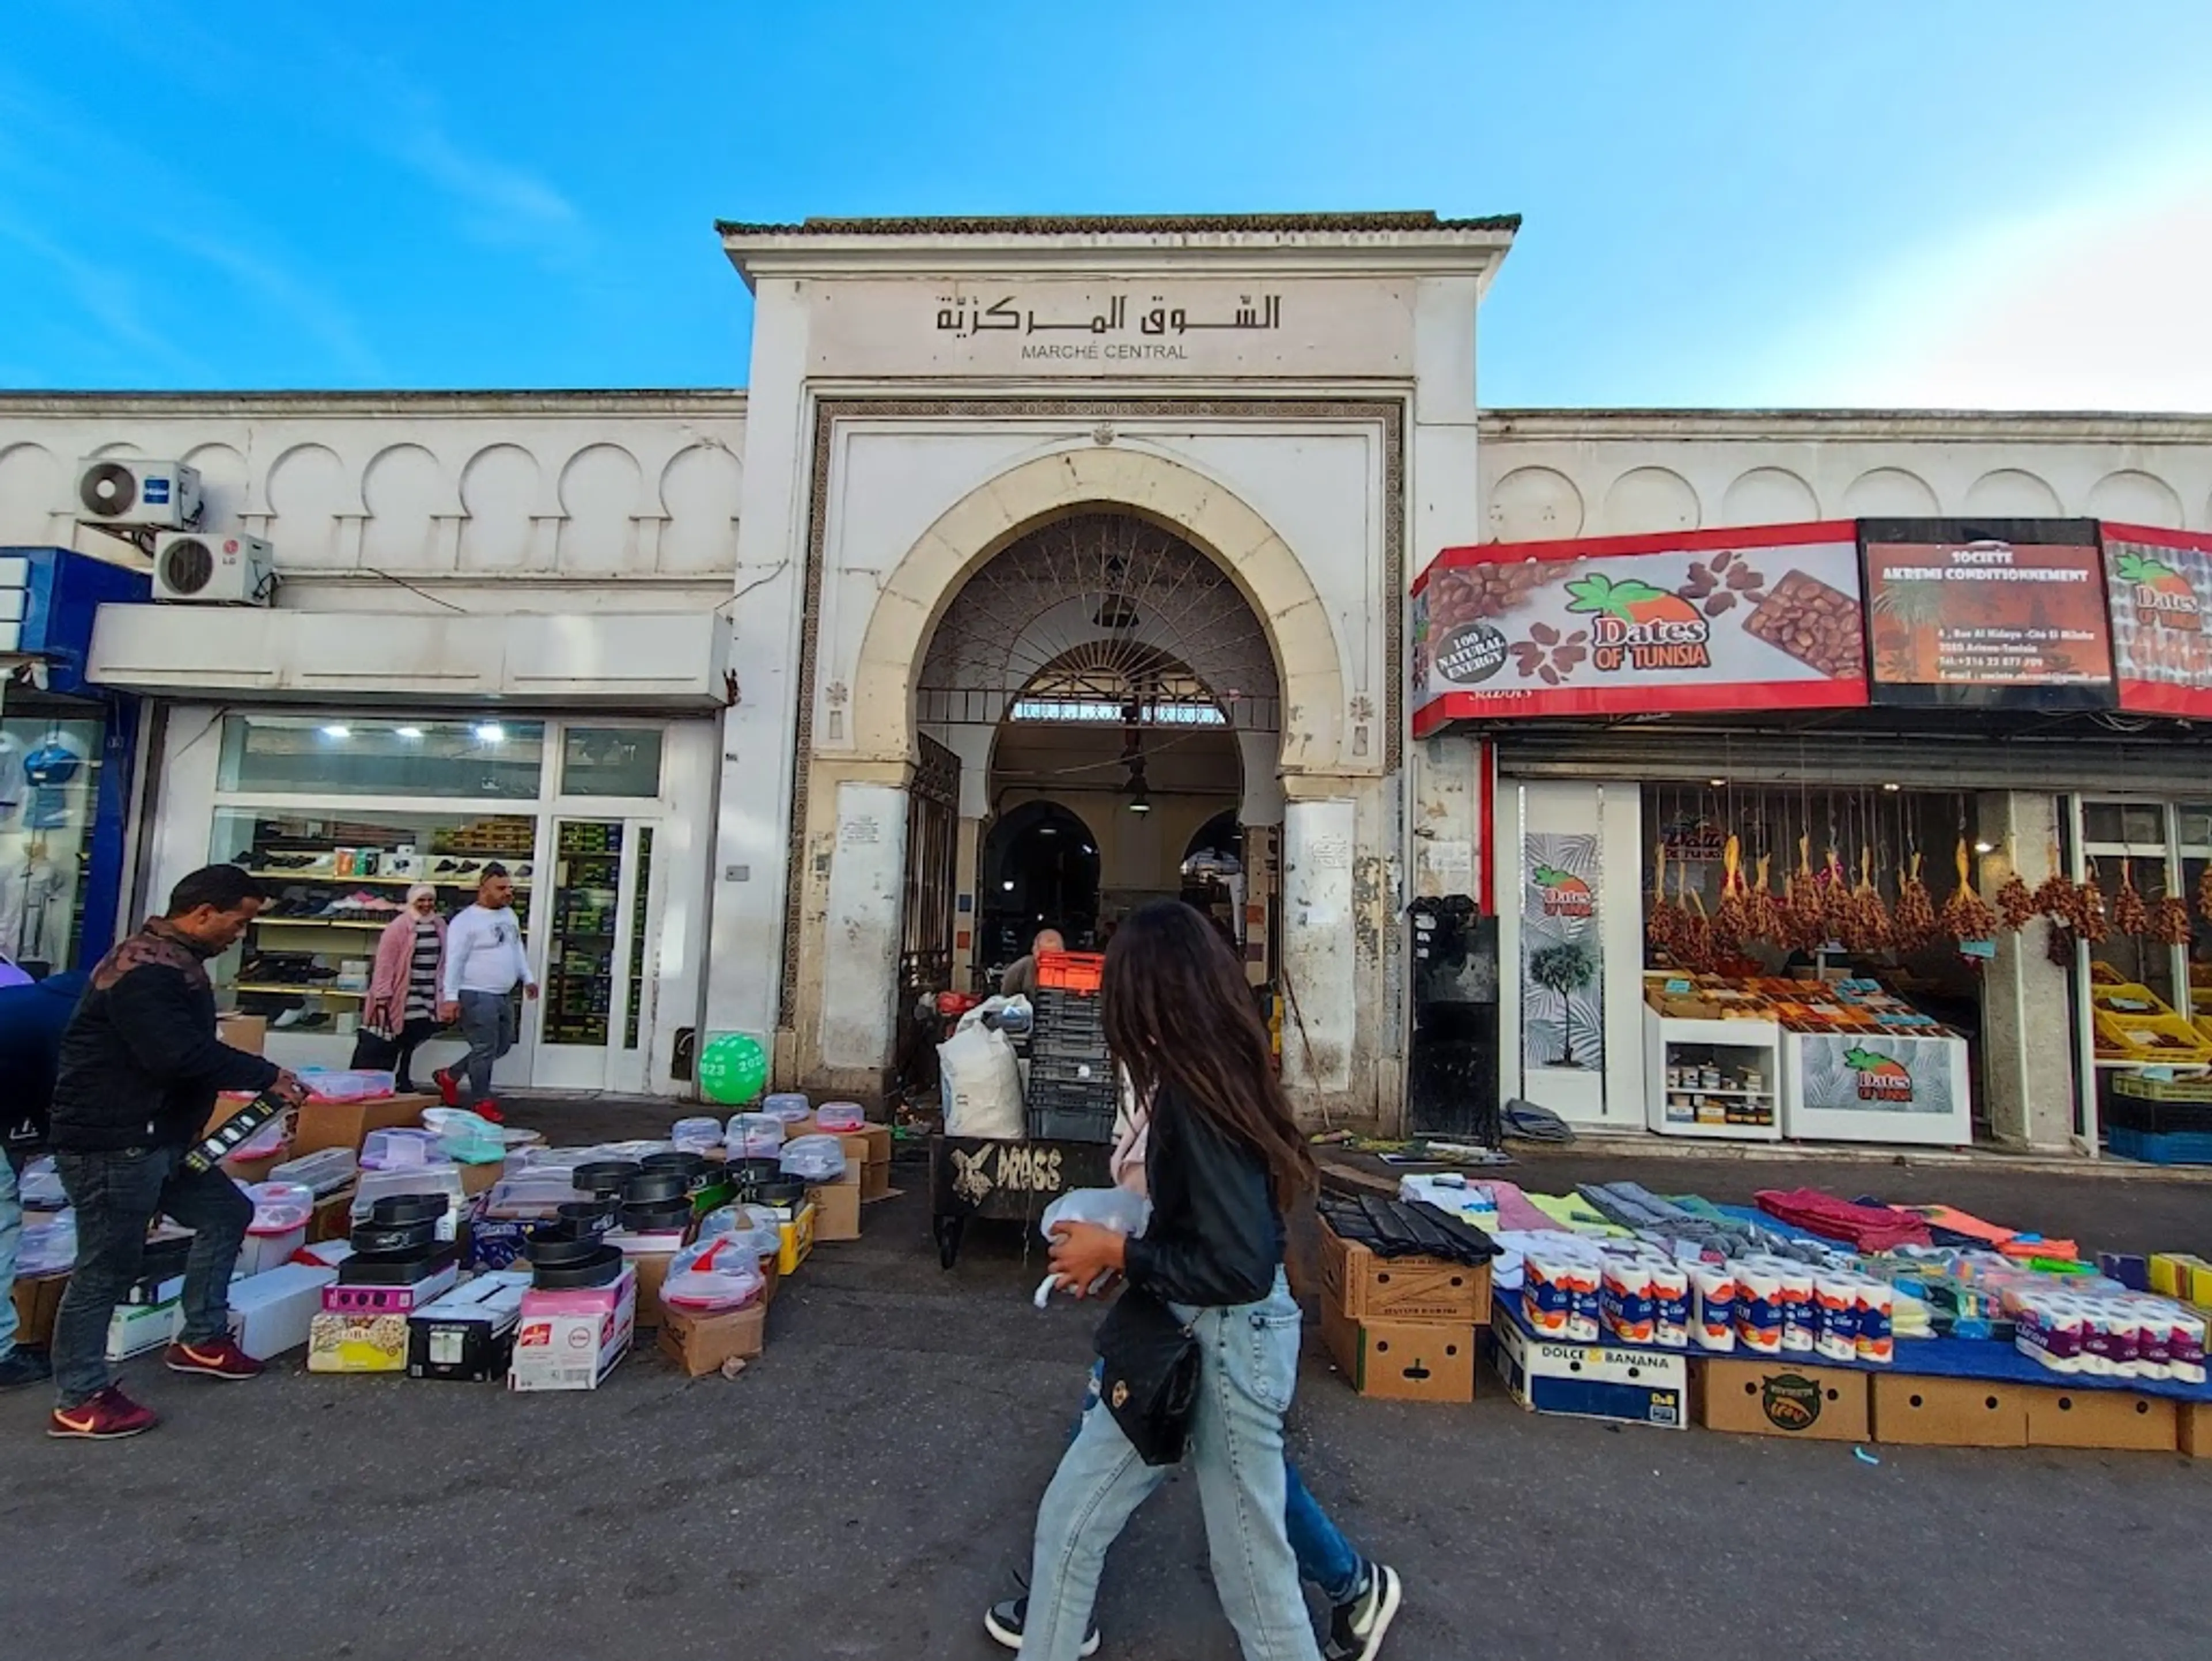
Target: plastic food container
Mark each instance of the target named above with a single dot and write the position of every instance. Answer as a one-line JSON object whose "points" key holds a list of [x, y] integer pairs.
{"points": [[398, 1150], [788, 1107], [324, 1171], [346, 1084], [714, 1275], [815, 1159], [840, 1116], [753, 1136], [696, 1136]]}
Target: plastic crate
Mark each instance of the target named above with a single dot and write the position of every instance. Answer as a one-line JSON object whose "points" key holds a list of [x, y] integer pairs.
{"points": [[1076, 1072], [2156, 1147], [1058, 1005], [2158, 1107], [1052, 1122], [2150, 1039], [2128, 998], [1072, 972]]}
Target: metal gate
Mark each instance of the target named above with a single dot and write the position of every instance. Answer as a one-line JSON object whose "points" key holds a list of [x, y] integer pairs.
{"points": [[932, 824]]}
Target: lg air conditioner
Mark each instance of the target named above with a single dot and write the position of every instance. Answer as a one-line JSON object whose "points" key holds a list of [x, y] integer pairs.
{"points": [[124, 490], [193, 569]]}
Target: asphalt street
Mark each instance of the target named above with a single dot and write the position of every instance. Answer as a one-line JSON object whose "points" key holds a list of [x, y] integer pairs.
{"points": [[867, 1486]]}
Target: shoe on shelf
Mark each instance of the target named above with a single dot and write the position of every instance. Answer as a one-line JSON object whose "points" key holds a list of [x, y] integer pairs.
{"points": [[449, 1088], [1356, 1628], [109, 1416], [218, 1358], [1004, 1622], [23, 1367]]}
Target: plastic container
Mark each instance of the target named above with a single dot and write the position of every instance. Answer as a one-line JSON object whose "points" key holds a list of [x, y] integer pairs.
{"points": [[530, 1194], [345, 1084], [737, 1222], [714, 1275], [48, 1246], [788, 1107], [696, 1136], [326, 1170], [400, 1150], [265, 1144], [278, 1206], [839, 1117], [815, 1159], [753, 1136]]}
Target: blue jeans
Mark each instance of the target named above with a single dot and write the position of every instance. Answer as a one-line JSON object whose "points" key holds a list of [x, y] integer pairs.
{"points": [[487, 1023], [1249, 1372], [11, 1234], [1325, 1556], [116, 1195]]}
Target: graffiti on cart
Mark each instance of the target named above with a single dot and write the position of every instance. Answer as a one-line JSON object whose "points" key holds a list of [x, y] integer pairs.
{"points": [[1012, 1166]]}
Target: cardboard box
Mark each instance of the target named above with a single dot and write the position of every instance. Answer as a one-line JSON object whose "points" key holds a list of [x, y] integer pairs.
{"points": [[1403, 1360], [1591, 1381], [275, 1311], [479, 1178], [248, 1033], [136, 1328], [2102, 1418], [1769, 1397], [257, 1170], [357, 1343], [837, 1208], [572, 1340], [468, 1335], [876, 1180], [1367, 1288], [2193, 1423], [701, 1343], [37, 1302], [798, 1241], [651, 1269], [320, 1124], [1949, 1412], [332, 1219]]}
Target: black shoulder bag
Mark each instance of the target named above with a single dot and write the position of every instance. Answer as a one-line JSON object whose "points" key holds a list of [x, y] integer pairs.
{"points": [[1149, 1379]]}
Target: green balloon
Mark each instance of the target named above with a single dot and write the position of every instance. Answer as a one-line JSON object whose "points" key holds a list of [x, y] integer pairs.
{"points": [[733, 1069]]}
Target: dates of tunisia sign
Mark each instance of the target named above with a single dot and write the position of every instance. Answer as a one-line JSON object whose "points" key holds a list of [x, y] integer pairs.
{"points": [[1766, 618]]}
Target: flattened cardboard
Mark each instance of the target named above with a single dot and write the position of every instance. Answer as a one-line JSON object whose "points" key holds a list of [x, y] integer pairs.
{"points": [[1769, 1397], [2102, 1418], [701, 1343], [1403, 1361], [1418, 1289], [1949, 1412]]}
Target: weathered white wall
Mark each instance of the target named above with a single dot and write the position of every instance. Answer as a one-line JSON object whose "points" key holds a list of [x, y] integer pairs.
{"points": [[1569, 473]]}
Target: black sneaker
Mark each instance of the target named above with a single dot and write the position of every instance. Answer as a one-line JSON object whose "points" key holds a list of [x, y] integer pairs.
{"points": [[1004, 1622], [1356, 1630], [24, 1366]]}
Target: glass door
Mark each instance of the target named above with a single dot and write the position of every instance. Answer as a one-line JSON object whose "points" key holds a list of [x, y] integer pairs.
{"points": [[596, 1010]]}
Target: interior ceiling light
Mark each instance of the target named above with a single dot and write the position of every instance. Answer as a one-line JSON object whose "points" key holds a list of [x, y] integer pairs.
{"points": [[407, 732], [491, 732], [337, 731]]}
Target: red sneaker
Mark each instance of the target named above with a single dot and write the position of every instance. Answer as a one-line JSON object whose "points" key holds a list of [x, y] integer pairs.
{"points": [[219, 1358], [109, 1416], [449, 1090], [488, 1110]]}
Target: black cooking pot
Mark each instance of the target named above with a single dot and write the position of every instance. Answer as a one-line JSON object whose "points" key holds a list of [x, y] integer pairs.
{"points": [[666, 1216], [676, 1159], [650, 1187], [584, 1219], [746, 1172], [376, 1237], [780, 1191], [604, 1177], [600, 1265], [409, 1208], [553, 1244]]}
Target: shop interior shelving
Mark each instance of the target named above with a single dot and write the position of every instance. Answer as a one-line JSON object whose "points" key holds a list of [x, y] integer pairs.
{"points": [[1736, 1047]]}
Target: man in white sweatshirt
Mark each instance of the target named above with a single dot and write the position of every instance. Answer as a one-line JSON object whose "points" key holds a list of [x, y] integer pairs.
{"points": [[484, 963]]}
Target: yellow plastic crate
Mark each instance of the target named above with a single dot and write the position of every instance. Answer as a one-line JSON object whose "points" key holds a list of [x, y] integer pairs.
{"points": [[2129, 999], [2151, 1039]]}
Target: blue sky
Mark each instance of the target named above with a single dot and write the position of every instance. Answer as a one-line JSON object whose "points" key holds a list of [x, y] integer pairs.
{"points": [[1960, 205]]}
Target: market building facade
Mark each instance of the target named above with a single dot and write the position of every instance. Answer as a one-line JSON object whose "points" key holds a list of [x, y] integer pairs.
{"points": [[1044, 567]]}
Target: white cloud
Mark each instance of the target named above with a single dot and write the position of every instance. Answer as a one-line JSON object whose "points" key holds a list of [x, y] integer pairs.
{"points": [[2100, 299]]}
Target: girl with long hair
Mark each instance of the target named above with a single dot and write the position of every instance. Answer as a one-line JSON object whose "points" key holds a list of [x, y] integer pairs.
{"points": [[1224, 1160]]}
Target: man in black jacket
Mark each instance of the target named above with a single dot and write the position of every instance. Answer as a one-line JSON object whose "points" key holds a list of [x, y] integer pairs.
{"points": [[32, 1018], [141, 1067]]}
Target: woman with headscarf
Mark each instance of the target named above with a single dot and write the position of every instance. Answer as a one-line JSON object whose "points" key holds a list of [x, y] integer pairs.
{"points": [[402, 1009]]}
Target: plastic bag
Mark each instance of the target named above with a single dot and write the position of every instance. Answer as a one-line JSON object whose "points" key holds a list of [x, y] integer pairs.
{"points": [[980, 1083], [753, 1136], [816, 1159], [1116, 1208], [713, 1276], [696, 1136]]}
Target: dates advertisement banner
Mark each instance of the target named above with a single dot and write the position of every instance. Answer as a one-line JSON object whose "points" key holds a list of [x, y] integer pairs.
{"points": [[1702, 621], [2004, 614], [2159, 586]]}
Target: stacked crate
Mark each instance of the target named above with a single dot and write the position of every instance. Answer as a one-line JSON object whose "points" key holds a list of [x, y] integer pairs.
{"points": [[1073, 1090]]}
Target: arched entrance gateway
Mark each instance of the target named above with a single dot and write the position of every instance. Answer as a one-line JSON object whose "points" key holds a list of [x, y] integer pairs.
{"points": [[1099, 680]]}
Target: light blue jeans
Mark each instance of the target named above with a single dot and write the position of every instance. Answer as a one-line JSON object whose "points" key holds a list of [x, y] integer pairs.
{"points": [[1248, 1370], [11, 1234]]}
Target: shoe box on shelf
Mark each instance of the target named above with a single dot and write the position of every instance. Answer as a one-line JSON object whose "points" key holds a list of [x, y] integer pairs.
{"points": [[571, 1340], [469, 1334], [1401, 1328]]}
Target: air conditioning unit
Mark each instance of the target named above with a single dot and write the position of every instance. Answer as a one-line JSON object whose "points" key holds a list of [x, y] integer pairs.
{"points": [[200, 570], [125, 490]]}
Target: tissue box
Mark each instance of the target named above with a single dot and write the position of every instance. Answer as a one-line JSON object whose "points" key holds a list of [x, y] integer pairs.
{"points": [[468, 1334], [274, 1311], [572, 1340]]}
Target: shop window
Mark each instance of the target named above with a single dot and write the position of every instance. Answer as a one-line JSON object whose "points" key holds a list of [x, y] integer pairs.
{"points": [[611, 762], [348, 755], [2123, 824], [49, 795], [335, 882]]}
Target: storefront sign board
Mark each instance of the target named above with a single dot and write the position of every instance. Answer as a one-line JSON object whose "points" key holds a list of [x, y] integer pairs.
{"points": [[1562, 952], [1766, 618], [2158, 585], [1861, 1087], [2004, 614]]}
